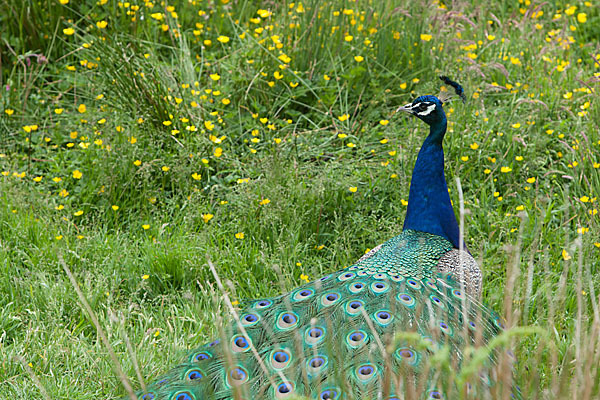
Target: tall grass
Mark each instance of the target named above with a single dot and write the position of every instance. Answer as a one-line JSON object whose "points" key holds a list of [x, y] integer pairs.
{"points": [[158, 170]]}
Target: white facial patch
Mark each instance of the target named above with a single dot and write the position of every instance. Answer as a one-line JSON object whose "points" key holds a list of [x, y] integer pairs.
{"points": [[427, 111]]}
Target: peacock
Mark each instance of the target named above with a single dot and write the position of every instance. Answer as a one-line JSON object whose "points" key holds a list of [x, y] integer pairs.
{"points": [[373, 330]]}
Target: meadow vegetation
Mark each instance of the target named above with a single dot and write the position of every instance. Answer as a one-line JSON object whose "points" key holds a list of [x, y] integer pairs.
{"points": [[138, 137]]}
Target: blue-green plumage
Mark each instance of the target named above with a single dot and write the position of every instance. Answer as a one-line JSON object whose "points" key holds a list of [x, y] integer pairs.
{"points": [[368, 331], [324, 334]]}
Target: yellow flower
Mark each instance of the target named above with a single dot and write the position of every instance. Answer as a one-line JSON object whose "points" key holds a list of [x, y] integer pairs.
{"points": [[565, 255], [474, 146], [343, 117], [465, 158], [425, 37], [516, 125], [63, 2], [196, 176], [520, 208], [223, 39], [215, 77], [303, 277], [9, 111], [515, 60], [225, 101], [58, 111], [167, 123], [358, 58], [584, 199], [59, 237], [78, 213], [68, 31], [114, 207], [505, 169], [239, 235], [581, 18], [531, 180], [145, 227], [218, 152], [157, 16], [82, 108], [384, 122], [487, 171], [207, 217], [145, 276], [353, 189], [76, 174], [37, 179], [348, 38], [137, 163], [383, 141], [519, 158], [264, 202], [209, 125], [101, 24], [351, 145]]}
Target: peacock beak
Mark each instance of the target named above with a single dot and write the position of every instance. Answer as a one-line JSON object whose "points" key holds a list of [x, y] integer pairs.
{"points": [[406, 108]]}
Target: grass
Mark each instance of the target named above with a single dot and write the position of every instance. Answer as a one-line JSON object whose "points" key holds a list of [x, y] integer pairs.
{"points": [[236, 129]]}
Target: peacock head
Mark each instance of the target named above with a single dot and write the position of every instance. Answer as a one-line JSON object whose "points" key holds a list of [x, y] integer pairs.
{"points": [[429, 108]]}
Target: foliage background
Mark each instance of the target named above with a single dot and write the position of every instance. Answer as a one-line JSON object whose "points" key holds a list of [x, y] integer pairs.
{"points": [[138, 137]]}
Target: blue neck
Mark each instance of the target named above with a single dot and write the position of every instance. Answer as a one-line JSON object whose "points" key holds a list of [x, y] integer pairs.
{"points": [[429, 208]]}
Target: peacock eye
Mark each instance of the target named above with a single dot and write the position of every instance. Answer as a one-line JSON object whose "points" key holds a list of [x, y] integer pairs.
{"points": [[422, 107]]}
